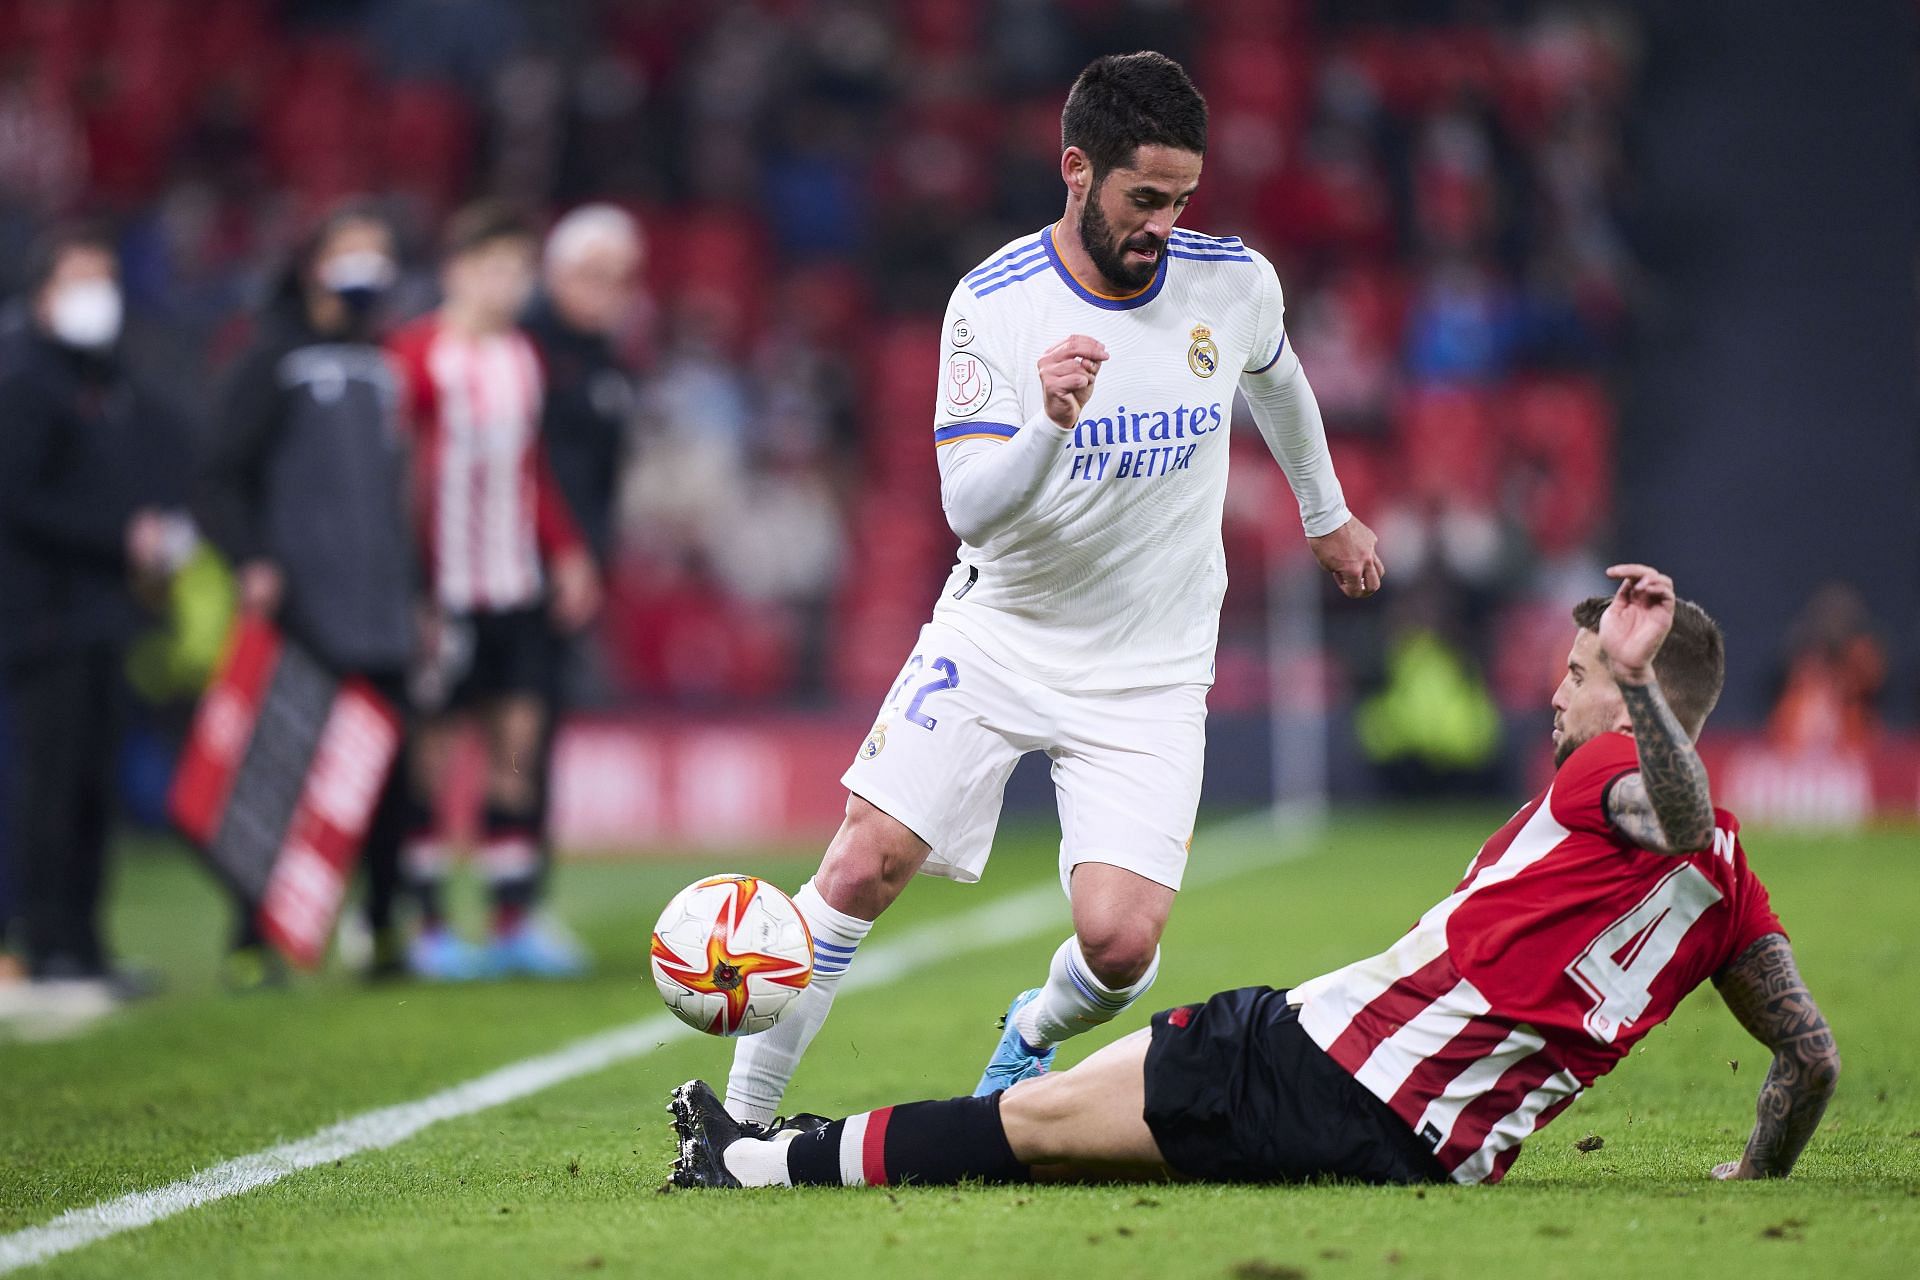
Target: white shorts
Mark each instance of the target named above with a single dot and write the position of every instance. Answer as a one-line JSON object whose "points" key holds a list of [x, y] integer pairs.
{"points": [[1126, 765]]}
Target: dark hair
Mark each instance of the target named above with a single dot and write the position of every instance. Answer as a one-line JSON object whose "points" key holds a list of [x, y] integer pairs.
{"points": [[482, 223], [1692, 662], [45, 254], [1125, 101]]}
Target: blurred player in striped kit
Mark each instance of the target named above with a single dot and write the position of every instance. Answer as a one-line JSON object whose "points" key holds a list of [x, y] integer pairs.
{"points": [[506, 564]]}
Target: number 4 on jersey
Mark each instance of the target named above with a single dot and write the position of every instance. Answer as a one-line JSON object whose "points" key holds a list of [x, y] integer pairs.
{"points": [[1618, 968]]}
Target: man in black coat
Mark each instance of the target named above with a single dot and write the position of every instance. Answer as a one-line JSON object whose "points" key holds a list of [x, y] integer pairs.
{"points": [[87, 464], [306, 489], [587, 285], [588, 278]]}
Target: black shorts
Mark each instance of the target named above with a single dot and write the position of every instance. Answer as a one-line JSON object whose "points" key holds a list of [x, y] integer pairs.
{"points": [[1237, 1091], [502, 654]]}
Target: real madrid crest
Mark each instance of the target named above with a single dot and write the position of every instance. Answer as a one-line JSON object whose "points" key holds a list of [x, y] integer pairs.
{"points": [[1203, 357], [876, 743]]}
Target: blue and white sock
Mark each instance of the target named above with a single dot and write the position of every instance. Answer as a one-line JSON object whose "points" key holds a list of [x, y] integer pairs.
{"points": [[764, 1064], [1073, 1000]]}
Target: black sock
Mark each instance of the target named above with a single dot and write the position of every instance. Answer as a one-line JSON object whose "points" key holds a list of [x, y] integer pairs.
{"points": [[510, 857], [930, 1143]]}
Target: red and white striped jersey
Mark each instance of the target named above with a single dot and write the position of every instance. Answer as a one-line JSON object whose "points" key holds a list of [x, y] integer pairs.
{"points": [[1563, 946], [488, 510]]}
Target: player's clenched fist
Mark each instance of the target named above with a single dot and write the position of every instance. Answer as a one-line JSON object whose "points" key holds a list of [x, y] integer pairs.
{"points": [[1067, 371]]}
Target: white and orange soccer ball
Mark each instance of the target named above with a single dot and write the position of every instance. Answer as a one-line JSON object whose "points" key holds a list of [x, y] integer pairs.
{"points": [[731, 954]]}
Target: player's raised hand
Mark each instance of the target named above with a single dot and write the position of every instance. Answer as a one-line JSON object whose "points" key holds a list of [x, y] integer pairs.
{"points": [[1637, 621], [1067, 371], [1350, 553]]}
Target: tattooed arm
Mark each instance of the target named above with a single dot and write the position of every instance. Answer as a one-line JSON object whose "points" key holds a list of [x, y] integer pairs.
{"points": [[1666, 806], [1764, 990]]}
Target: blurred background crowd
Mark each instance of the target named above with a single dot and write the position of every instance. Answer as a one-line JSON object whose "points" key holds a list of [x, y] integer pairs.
{"points": [[1448, 189]]}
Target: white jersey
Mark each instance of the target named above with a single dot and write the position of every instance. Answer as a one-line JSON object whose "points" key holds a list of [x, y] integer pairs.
{"points": [[1113, 577]]}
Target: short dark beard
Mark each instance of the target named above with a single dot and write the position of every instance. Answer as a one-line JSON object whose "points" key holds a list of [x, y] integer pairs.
{"points": [[1096, 237], [1566, 748]]}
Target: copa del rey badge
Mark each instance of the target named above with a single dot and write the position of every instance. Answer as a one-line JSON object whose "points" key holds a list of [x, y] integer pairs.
{"points": [[968, 384]]}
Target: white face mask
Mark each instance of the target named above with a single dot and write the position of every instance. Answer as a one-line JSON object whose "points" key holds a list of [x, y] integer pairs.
{"points": [[85, 314], [360, 269]]}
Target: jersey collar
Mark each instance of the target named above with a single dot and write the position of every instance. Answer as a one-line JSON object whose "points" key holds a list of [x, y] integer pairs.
{"points": [[1106, 301]]}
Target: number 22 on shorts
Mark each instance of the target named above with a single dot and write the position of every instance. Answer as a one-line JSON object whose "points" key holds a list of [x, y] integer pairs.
{"points": [[949, 679]]}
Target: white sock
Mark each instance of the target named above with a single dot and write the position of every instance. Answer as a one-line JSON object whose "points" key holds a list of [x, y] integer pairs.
{"points": [[1073, 1000], [760, 1162], [764, 1063]]}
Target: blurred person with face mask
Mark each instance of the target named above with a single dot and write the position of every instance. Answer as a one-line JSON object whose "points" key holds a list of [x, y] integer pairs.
{"points": [[90, 479], [507, 568], [307, 490]]}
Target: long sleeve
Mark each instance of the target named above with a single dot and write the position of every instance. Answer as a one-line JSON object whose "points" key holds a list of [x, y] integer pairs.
{"points": [[985, 484], [555, 526], [43, 515], [231, 484], [1289, 418]]}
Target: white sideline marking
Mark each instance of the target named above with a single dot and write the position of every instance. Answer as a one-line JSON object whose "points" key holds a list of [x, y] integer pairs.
{"points": [[990, 925]]}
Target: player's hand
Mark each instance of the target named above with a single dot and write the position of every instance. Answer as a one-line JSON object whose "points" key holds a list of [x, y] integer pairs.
{"points": [[1350, 554], [1067, 371], [576, 591], [1734, 1171], [1636, 622], [261, 587]]}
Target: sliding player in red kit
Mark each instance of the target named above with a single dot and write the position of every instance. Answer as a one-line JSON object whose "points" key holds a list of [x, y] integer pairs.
{"points": [[505, 565], [1579, 927]]}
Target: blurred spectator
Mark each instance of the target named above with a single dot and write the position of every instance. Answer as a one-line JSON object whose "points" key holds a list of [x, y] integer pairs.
{"points": [[90, 485], [306, 490], [1835, 667], [1432, 727], [506, 564], [588, 284], [589, 280]]}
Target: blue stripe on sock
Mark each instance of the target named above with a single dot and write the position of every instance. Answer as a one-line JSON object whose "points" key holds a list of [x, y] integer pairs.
{"points": [[1092, 992]]}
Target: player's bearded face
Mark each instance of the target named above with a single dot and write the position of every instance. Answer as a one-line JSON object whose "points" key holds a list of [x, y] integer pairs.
{"points": [[1109, 248], [1587, 703]]}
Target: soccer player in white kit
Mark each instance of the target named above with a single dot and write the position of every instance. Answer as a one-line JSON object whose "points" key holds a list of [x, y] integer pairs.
{"points": [[1087, 381]]}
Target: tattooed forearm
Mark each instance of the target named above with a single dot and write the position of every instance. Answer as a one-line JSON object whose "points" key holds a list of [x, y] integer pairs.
{"points": [[1764, 990], [1667, 805]]}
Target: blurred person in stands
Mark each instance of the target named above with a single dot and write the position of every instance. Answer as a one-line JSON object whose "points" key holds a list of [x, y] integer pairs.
{"points": [[1835, 667], [89, 525], [507, 566], [307, 490], [589, 273]]}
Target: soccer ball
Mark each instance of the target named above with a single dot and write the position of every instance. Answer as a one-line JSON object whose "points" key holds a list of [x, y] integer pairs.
{"points": [[731, 954]]}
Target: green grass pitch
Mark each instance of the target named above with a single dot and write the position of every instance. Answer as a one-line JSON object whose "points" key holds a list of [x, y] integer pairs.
{"points": [[565, 1182]]}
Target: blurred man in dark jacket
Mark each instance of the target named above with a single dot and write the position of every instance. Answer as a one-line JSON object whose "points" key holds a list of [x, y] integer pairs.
{"points": [[587, 286], [307, 490], [588, 277], [89, 465]]}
